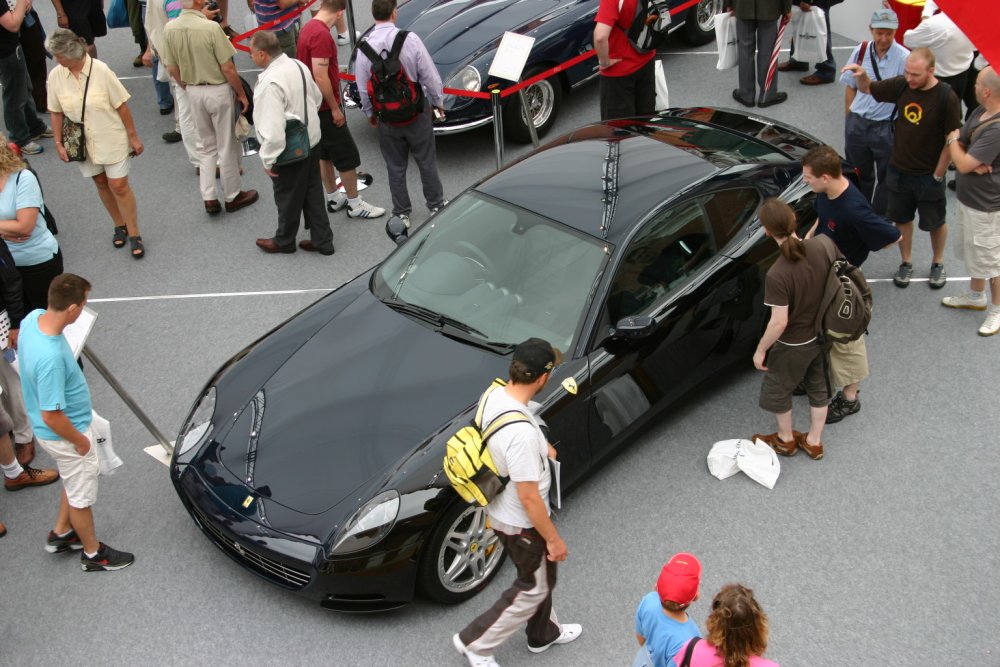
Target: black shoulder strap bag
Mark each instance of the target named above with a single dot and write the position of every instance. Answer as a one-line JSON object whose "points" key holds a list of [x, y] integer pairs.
{"points": [[688, 652]]}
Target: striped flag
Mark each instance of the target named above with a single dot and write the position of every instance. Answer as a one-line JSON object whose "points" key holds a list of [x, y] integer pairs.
{"points": [[772, 68]]}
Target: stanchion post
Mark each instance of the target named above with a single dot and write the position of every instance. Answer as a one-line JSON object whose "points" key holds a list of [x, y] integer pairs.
{"points": [[132, 405], [350, 24], [528, 118], [497, 126]]}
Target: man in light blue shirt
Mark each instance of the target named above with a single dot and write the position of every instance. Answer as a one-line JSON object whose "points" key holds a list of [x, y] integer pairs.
{"points": [[58, 403], [868, 133]]}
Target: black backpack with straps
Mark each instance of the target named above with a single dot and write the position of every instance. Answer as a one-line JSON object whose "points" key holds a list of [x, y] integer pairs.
{"points": [[396, 99]]}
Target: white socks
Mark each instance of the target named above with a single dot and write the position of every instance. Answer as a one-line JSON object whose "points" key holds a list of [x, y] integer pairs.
{"points": [[12, 471]]}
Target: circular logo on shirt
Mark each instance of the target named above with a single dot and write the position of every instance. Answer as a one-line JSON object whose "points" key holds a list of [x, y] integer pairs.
{"points": [[913, 112]]}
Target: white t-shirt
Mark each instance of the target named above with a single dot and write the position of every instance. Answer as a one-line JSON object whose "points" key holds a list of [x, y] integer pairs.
{"points": [[520, 451]]}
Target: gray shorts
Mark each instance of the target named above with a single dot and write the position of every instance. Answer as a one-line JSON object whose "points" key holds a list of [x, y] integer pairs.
{"points": [[787, 366]]}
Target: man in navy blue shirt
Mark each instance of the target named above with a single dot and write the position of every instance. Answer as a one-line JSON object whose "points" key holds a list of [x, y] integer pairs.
{"points": [[845, 215]]}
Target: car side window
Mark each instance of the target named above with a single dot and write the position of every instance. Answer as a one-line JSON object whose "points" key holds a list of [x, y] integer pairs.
{"points": [[667, 250], [729, 210]]}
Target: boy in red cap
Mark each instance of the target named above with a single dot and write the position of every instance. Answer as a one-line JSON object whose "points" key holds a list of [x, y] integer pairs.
{"points": [[662, 625]]}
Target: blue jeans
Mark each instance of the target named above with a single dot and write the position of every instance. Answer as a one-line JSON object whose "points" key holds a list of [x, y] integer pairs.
{"points": [[19, 110], [163, 98]]}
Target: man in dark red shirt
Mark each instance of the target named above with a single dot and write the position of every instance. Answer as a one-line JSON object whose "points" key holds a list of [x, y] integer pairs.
{"points": [[336, 146], [628, 86]]}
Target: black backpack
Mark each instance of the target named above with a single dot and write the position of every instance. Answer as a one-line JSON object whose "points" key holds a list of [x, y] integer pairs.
{"points": [[649, 24], [395, 98], [846, 308]]}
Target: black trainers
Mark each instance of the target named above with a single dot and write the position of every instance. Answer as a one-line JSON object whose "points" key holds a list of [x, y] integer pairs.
{"points": [[903, 274], [106, 559], [68, 542], [840, 407], [939, 277]]}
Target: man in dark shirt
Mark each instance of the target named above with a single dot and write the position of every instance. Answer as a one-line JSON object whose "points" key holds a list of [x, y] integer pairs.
{"points": [[845, 216], [927, 111], [23, 123]]}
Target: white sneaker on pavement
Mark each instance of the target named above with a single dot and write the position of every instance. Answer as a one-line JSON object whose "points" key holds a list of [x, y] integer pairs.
{"points": [[345, 39], [965, 301], [364, 210], [570, 631], [992, 323], [474, 659], [337, 202]]}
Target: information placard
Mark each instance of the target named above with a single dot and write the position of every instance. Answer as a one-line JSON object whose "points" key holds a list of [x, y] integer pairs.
{"points": [[511, 57]]}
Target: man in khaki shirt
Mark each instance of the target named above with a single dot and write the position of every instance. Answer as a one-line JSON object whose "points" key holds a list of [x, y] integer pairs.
{"points": [[198, 56]]}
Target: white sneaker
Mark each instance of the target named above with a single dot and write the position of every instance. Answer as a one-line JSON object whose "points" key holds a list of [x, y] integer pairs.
{"points": [[338, 202], [992, 323], [965, 301], [474, 659], [570, 631], [365, 210], [31, 148], [345, 39], [435, 209]]}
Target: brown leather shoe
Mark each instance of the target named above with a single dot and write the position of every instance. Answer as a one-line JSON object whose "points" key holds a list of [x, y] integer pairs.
{"points": [[813, 80], [242, 200], [213, 207], [25, 452], [3, 529], [31, 477], [793, 66], [779, 445], [308, 246], [815, 452], [269, 246]]}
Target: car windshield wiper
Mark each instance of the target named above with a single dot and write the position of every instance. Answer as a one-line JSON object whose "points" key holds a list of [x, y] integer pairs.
{"points": [[449, 326]]}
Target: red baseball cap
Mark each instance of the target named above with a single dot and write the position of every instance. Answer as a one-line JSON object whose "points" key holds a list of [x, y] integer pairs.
{"points": [[679, 579]]}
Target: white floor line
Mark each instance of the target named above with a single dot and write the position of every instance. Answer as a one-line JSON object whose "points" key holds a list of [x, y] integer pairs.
{"points": [[917, 280], [213, 295], [715, 53]]}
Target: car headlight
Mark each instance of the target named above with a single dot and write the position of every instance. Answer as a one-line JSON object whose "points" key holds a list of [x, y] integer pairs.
{"points": [[467, 78], [199, 424], [369, 524]]}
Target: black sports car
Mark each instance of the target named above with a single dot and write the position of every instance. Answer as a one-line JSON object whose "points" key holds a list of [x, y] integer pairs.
{"points": [[462, 37], [313, 458]]}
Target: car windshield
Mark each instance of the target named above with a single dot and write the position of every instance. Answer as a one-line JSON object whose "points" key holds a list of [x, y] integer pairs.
{"points": [[495, 273]]}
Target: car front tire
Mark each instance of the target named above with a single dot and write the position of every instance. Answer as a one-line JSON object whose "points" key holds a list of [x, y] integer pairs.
{"points": [[461, 556], [544, 101], [699, 26]]}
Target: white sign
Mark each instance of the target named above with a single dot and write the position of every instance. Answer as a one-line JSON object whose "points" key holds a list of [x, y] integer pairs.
{"points": [[511, 56]]}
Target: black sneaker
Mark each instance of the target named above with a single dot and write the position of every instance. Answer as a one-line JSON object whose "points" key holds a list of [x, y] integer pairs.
{"points": [[939, 277], [68, 542], [903, 274], [172, 137], [840, 407], [106, 559]]}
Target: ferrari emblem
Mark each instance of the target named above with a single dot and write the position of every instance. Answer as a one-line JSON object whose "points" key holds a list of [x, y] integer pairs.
{"points": [[248, 502], [569, 384]]}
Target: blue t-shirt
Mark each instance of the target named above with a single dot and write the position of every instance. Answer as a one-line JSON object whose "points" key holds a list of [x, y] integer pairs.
{"points": [[664, 636], [22, 191], [852, 224], [50, 378]]}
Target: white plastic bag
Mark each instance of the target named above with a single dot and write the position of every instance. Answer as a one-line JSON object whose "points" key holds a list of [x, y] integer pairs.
{"points": [[100, 428], [808, 35], [756, 459], [725, 40], [662, 94]]}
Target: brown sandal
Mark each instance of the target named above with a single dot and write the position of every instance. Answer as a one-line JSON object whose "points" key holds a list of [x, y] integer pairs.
{"points": [[138, 251], [118, 240], [779, 445]]}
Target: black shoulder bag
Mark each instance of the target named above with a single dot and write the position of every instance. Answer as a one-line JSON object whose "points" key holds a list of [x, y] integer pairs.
{"points": [[73, 137], [686, 662], [296, 133]]}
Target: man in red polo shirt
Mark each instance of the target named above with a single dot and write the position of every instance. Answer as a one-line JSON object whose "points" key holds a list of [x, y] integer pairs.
{"points": [[628, 86]]}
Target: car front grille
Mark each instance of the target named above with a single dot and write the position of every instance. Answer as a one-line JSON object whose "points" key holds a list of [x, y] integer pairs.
{"points": [[269, 568]]}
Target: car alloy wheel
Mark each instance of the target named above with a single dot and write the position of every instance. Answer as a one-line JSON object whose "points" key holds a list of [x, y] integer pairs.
{"points": [[543, 100], [462, 555], [700, 24]]}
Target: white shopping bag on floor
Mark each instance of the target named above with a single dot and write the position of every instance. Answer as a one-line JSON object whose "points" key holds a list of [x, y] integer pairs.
{"points": [[808, 35], [756, 459], [662, 94], [725, 40], [100, 428]]}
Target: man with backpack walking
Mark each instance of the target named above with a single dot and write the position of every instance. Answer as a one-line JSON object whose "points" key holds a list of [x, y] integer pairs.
{"points": [[396, 79], [628, 85], [927, 111], [847, 218], [520, 516]]}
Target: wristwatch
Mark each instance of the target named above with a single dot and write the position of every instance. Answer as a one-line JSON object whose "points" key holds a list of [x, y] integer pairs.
{"points": [[950, 141]]}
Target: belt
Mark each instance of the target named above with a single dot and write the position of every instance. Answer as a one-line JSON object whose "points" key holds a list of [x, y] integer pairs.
{"points": [[205, 84], [872, 120]]}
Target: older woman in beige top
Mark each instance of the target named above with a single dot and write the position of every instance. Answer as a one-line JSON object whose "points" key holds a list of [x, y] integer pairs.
{"points": [[111, 137]]}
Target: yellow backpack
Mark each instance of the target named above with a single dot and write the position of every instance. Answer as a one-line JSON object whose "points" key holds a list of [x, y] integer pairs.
{"points": [[468, 463]]}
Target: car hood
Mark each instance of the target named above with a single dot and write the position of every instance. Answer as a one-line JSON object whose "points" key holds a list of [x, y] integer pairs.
{"points": [[454, 30], [350, 404]]}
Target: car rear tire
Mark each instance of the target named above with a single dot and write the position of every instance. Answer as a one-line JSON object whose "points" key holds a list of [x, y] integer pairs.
{"points": [[544, 101], [461, 557], [699, 26]]}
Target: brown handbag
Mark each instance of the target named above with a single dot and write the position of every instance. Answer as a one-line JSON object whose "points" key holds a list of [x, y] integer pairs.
{"points": [[73, 137]]}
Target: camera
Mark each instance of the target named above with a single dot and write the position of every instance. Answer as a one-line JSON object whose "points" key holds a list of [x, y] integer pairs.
{"points": [[214, 6]]}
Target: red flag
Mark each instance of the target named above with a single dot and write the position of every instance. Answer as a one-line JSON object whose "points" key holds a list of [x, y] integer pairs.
{"points": [[978, 19]]}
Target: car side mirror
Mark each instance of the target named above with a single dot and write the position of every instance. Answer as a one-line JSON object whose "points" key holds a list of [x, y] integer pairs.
{"points": [[634, 328], [397, 230]]}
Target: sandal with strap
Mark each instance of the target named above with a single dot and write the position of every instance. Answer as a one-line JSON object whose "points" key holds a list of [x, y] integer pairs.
{"points": [[121, 233], [138, 252]]}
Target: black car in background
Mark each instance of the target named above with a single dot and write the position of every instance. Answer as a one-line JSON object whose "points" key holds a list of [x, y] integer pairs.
{"points": [[313, 457], [462, 37]]}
